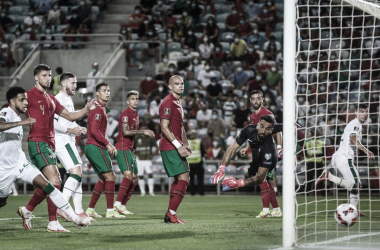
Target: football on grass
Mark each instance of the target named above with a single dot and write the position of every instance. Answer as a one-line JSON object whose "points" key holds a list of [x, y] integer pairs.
{"points": [[346, 215]]}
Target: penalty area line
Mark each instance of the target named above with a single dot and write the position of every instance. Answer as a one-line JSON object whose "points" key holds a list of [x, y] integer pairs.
{"points": [[19, 218]]}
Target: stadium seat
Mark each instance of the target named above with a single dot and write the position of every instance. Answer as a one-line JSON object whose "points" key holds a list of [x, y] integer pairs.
{"points": [[219, 1], [217, 74], [225, 47], [204, 18], [193, 83], [222, 27], [142, 111], [22, 2], [12, 29], [173, 46], [9, 38], [201, 132], [13, 17], [227, 37], [20, 20], [135, 36], [139, 46], [16, 10], [61, 28], [280, 7], [158, 27], [279, 27], [198, 34], [231, 169], [241, 169], [278, 35], [142, 104], [193, 123], [224, 83], [64, 9], [227, 9], [326, 34], [238, 92], [174, 55], [95, 10], [162, 37], [221, 18], [250, 73]]}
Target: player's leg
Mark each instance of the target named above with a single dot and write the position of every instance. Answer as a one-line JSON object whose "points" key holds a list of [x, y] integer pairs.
{"points": [[341, 163], [200, 177], [265, 194], [128, 195], [141, 180], [109, 189], [274, 182], [192, 178], [125, 163], [7, 177], [148, 170]]}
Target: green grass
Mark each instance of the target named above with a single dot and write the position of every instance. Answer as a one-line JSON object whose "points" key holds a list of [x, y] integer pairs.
{"points": [[213, 222]]}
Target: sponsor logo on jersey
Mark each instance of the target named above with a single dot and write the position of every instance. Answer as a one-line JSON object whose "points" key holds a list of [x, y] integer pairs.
{"points": [[166, 111], [125, 118], [40, 101], [268, 156], [51, 157], [3, 113], [97, 117], [267, 162]]}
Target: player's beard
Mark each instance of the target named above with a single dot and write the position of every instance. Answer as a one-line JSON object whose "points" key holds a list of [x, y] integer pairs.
{"points": [[258, 106], [44, 86], [262, 137], [69, 91], [20, 110]]}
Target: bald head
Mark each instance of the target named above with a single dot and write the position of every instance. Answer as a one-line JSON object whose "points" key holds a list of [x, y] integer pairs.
{"points": [[175, 78], [176, 85]]}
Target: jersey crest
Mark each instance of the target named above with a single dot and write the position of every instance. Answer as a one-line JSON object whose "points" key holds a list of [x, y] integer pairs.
{"points": [[166, 111], [356, 128], [97, 117], [268, 156], [3, 113], [125, 119]]}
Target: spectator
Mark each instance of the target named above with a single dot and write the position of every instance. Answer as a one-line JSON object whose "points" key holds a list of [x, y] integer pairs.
{"points": [[4, 52], [205, 48], [16, 48], [204, 76], [218, 56], [271, 48], [147, 5], [265, 20], [162, 67], [203, 116], [160, 9], [74, 22], [195, 12], [112, 129], [251, 58], [5, 21], [228, 67], [244, 29], [178, 31], [31, 22], [215, 152], [84, 15], [256, 82], [179, 6], [190, 40], [183, 60], [238, 47], [147, 86], [153, 107], [309, 74], [172, 71], [195, 102], [240, 77], [194, 68], [273, 77], [232, 135], [90, 83], [256, 38], [55, 16], [161, 91], [211, 30], [229, 106], [187, 20], [196, 162], [264, 65], [252, 11], [168, 21], [136, 19], [48, 37], [216, 124], [241, 115], [214, 92], [56, 84], [277, 113], [44, 6], [232, 20], [272, 8], [143, 28], [153, 48]]}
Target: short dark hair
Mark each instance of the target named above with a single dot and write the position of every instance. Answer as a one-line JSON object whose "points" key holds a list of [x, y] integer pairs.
{"points": [[66, 76], [256, 91], [59, 70], [267, 118], [41, 67], [13, 92], [363, 106], [100, 85], [132, 92]]}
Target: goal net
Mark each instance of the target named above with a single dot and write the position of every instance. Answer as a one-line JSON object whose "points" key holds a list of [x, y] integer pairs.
{"points": [[337, 68]]}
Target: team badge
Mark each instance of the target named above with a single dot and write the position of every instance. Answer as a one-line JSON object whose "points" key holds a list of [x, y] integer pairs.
{"points": [[51, 157], [3, 113], [166, 111], [125, 118], [356, 128], [268, 156], [2, 191], [97, 117]]}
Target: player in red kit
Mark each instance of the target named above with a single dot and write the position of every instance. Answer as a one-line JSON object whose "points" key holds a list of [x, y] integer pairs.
{"points": [[41, 144], [268, 194], [174, 146], [128, 129], [98, 151]]}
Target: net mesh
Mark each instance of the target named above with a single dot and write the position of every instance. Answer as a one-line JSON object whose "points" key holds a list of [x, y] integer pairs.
{"points": [[337, 67]]}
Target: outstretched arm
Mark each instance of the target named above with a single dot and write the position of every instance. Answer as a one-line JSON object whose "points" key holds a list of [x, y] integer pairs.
{"points": [[359, 145], [73, 116], [8, 125]]}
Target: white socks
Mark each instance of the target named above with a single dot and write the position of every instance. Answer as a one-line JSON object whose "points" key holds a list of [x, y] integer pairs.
{"points": [[142, 186], [266, 209], [150, 185], [70, 187], [117, 203], [59, 200], [278, 209], [341, 182], [77, 199], [354, 200]]}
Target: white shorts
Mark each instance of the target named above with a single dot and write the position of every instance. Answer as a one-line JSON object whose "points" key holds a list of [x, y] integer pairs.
{"points": [[346, 168], [67, 154], [144, 165], [25, 171]]}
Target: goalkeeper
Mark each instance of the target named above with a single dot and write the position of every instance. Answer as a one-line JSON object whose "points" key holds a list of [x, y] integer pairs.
{"points": [[264, 154]]}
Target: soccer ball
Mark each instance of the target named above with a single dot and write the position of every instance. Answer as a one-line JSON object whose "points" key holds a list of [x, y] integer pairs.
{"points": [[346, 215]]}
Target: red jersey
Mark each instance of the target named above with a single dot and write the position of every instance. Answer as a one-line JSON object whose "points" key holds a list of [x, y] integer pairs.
{"points": [[96, 127], [172, 110], [255, 118], [130, 117], [42, 107]]}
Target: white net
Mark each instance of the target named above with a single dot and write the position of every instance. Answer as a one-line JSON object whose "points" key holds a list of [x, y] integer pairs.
{"points": [[338, 52]]}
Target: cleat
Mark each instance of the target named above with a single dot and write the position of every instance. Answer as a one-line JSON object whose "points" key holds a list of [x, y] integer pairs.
{"points": [[276, 214], [63, 215], [152, 194], [120, 210], [114, 214], [142, 194], [323, 177], [264, 214], [361, 214], [170, 218], [85, 215], [82, 221], [92, 213], [26, 217], [56, 227]]}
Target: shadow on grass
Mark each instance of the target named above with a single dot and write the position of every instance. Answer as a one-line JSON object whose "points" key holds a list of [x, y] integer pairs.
{"points": [[150, 236]]}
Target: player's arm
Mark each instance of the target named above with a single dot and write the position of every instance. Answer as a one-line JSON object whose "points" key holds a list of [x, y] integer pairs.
{"points": [[4, 125], [185, 141], [359, 145], [128, 132], [63, 129], [95, 131], [170, 136], [73, 116]]}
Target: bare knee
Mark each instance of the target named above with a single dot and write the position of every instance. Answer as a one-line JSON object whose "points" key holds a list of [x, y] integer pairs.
{"points": [[260, 179], [110, 176], [76, 170]]}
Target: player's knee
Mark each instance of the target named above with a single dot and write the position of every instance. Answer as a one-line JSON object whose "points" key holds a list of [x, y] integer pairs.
{"points": [[150, 175], [260, 179], [77, 171], [246, 174], [141, 177]]}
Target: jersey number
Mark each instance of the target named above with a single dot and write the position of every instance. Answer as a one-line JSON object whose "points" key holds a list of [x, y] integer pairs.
{"points": [[42, 107]]}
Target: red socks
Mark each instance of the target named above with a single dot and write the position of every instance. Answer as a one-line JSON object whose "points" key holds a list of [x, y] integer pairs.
{"points": [[179, 193], [265, 194], [98, 189], [172, 188], [38, 196], [123, 189], [273, 198], [52, 209], [110, 193], [128, 194]]}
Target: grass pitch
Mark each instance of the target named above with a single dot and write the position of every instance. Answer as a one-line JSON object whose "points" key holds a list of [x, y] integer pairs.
{"points": [[213, 222]]}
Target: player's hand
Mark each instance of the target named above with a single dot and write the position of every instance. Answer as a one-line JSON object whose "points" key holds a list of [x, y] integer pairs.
{"points": [[279, 153], [149, 133], [83, 130], [243, 151], [111, 150], [28, 121], [370, 155], [188, 148], [183, 152], [92, 104], [231, 183], [216, 177], [75, 131]]}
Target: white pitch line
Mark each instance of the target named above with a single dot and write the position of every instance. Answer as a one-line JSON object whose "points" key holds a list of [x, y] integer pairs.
{"points": [[19, 218]]}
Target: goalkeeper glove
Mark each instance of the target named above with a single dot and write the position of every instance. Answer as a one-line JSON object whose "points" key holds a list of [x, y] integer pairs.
{"points": [[280, 154], [216, 177], [231, 183]]}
